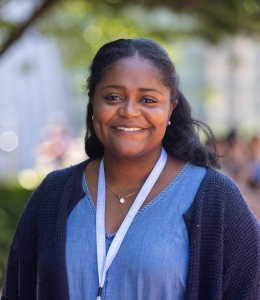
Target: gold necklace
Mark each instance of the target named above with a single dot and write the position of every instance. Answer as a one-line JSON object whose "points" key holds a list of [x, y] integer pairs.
{"points": [[121, 199]]}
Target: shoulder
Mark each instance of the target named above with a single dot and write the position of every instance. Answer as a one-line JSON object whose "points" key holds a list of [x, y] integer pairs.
{"points": [[225, 211], [224, 237], [58, 180], [218, 189], [215, 187], [61, 176], [217, 181], [62, 186], [50, 202], [49, 192], [224, 232], [219, 198]]}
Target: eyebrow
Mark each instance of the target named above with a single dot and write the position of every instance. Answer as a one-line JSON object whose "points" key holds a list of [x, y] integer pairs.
{"points": [[121, 87], [150, 90]]}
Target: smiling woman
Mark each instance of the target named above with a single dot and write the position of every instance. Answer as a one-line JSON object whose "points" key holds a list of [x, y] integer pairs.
{"points": [[131, 108], [147, 216]]}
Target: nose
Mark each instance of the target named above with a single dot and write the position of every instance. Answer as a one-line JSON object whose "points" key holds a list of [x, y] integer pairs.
{"points": [[129, 109]]}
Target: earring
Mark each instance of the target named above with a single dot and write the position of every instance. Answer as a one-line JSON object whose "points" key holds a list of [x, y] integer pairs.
{"points": [[92, 117], [169, 122]]}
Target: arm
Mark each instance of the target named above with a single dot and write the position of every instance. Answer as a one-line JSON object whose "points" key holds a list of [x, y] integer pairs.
{"points": [[43, 224], [241, 265], [20, 278], [224, 243], [10, 290]]}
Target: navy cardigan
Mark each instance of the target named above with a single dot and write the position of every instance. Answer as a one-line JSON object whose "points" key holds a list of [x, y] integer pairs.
{"points": [[224, 241]]}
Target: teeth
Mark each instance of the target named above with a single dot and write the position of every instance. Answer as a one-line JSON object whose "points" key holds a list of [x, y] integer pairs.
{"points": [[128, 129]]}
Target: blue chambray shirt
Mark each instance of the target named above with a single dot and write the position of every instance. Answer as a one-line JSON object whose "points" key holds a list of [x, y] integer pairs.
{"points": [[152, 261]]}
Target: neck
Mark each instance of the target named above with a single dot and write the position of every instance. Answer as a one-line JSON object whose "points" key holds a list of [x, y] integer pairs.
{"points": [[129, 171]]}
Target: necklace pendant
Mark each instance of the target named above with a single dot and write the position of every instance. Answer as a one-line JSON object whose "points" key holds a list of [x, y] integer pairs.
{"points": [[122, 200]]}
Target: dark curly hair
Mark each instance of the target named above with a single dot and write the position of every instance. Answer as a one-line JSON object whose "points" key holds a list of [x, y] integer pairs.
{"points": [[182, 138]]}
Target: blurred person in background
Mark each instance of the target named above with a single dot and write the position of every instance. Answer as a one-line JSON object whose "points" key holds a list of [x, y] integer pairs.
{"points": [[147, 216], [57, 148], [254, 162], [240, 160], [53, 149], [234, 161]]}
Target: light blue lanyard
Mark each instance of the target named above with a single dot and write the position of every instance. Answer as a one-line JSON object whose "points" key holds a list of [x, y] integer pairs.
{"points": [[104, 261]]}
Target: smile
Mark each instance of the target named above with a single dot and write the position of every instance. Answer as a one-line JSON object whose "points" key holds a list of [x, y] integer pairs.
{"points": [[128, 129]]}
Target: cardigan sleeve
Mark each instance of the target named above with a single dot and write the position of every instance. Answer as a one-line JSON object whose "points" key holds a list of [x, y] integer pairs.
{"points": [[10, 290], [20, 277], [42, 224], [224, 243], [241, 265]]}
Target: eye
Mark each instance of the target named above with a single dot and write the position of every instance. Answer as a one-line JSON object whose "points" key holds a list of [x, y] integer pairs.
{"points": [[148, 100], [113, 97]]}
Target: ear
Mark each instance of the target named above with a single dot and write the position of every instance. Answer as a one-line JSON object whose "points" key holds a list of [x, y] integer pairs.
{"points": [[90, 98], [173, 106]]}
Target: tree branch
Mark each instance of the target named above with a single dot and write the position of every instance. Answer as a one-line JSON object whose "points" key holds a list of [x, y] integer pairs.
{"points": [[17, 34]]}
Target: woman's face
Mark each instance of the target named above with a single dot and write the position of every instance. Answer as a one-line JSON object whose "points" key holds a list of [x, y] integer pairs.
{"points": [[131, 108]]}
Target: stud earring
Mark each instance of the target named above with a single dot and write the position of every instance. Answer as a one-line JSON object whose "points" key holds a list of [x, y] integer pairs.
{"points": [[169, 122]]}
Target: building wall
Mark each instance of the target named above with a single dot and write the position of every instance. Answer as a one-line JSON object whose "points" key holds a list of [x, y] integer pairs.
{"points": [[34, 84], [232, 72]]}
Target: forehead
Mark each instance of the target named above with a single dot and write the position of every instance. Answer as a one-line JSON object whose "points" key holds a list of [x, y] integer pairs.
{"points": [[133, 70]]}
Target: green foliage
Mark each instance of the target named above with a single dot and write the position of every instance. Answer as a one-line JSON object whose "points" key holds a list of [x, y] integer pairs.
{"points": [[12, 202], [82, 27]]}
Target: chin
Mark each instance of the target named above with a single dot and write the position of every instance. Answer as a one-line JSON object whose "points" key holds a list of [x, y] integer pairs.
{"points": [[127, 152], [131, 150]]}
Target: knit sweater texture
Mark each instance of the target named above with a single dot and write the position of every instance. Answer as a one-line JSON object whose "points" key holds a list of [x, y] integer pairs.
{"points": [[223, 233]]}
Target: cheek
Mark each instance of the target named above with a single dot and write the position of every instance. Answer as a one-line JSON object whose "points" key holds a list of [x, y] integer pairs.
{"points": [[100, 115], [101, 120], [102, 110], [160, 117]]}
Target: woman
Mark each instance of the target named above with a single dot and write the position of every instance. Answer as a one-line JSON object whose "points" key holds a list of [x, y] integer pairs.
{"points": [[146, 217]]}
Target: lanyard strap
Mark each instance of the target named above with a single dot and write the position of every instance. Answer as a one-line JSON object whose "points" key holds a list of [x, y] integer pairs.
{"points": [[104, 261]]}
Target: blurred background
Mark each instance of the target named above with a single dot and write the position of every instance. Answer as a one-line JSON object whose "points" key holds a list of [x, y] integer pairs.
{"points": [[46, 47]]}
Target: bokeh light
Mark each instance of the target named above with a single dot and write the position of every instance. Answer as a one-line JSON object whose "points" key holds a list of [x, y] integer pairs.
{"points": [[93, 34], [251, 6], [28, 179], [9, 141]]}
